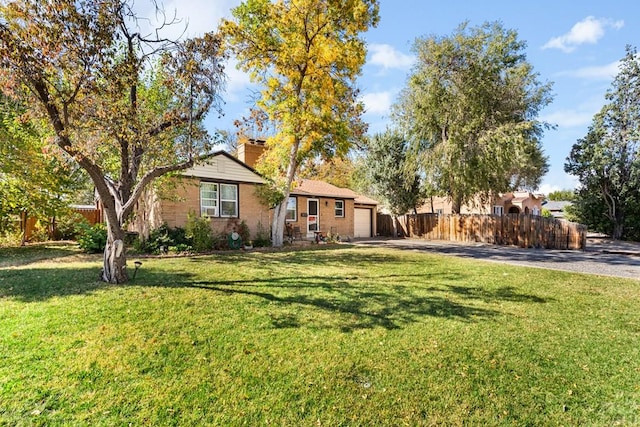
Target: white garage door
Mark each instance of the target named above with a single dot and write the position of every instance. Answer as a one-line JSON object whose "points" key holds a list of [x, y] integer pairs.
{"points": [[362, 222]]}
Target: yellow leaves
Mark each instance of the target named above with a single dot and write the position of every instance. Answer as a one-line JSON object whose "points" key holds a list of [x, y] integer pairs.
{"points": [[307, 54]]}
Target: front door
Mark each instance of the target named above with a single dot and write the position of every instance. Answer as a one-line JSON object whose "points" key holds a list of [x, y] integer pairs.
{"points": [[313, 217]]}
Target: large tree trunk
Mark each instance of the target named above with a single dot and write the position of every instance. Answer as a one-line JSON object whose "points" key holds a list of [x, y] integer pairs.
{"points": [[394, 222], [456, 205], [280, 211], [115, 262], [618, 227], [277, 225]]}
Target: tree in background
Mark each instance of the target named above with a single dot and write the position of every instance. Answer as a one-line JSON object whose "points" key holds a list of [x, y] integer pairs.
{"points": [[306, 55], [34, 181], [124, 105], [470, 106], [392, 174], [338, 171], [607, 160], [562, 195]]}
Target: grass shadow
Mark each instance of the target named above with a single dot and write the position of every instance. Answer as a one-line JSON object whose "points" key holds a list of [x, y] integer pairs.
{"points": [[290, 299], [41, 284], [33, 253]]}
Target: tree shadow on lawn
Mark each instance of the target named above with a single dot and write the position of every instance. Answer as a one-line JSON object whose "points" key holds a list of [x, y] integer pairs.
{"points": [[324, 255], [41, 284], [294, 301], [32, 253], [347, 302]]}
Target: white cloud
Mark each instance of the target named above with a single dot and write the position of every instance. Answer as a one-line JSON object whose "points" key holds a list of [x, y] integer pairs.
{"points": [[604, 72], [569, 118], [561, 181], [548, 188], [378, 102], [589, 30], [387, 57]]}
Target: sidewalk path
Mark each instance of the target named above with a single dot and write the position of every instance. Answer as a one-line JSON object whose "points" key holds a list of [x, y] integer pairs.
{"points": [[605, 258]]}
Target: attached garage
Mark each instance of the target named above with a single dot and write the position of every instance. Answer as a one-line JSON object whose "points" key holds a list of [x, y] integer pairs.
{"points": [[362, 222]]}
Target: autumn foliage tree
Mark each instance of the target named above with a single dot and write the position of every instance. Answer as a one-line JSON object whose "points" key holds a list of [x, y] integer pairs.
{"points": [[305, 55], [126, 106], [470, 107]]}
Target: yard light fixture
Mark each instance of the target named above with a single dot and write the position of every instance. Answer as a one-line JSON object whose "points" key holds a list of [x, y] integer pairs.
{"points": [[138, 264]]}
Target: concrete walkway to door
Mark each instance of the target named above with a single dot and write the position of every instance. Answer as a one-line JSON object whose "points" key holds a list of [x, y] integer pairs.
{"points": [[602, 257]]}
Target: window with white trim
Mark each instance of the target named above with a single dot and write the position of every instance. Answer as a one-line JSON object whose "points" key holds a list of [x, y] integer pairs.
{"points": [[228, 200], [218, 200], [339, 208], [498, 210], [208, 199], [292, 209]]}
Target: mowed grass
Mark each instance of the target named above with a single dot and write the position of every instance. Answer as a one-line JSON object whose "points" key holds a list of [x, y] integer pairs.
{"points": [[330, 336]]}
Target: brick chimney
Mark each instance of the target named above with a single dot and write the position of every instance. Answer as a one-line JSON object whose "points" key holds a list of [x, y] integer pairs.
{"points": [[250, 150]]}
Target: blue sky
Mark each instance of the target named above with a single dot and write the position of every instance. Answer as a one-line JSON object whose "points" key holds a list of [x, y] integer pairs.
{"points": [[575, 45]]}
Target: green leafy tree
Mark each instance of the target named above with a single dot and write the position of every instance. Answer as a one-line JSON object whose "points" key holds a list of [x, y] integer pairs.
{"points": [[126, 106], [607, 160], [391, 173], [562, 195], [470, 107], [306, 55], [34, 181]]}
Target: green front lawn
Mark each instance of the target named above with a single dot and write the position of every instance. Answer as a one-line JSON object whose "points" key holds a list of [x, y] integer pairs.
{"points": [[331, 336]]}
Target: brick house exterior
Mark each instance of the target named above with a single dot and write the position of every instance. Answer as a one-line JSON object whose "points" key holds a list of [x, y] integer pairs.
{"points": [[317, 206], [224, 189]]}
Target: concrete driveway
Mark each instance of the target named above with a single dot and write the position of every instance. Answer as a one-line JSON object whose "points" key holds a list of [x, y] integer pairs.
{"points": [[603, 258]]}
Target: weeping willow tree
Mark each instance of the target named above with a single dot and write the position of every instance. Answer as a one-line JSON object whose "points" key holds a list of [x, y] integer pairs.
{"points": [[470, 108]]}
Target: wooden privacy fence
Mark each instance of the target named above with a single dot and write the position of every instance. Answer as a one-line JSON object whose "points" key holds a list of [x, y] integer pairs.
{"points": [[28, 225], [527, 231], [92, 214]]}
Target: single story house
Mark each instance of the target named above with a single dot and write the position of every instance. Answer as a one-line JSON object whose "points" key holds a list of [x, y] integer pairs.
{"points": [[224, 189], [515, 202], [317, 206]]}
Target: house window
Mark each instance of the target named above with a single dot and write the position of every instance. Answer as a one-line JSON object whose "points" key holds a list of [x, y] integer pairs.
{"points": [[535, 211], [498, 210], [438, 212], [218, 200], [208, 199], [228, 200], [292, 209], [340, 208]]}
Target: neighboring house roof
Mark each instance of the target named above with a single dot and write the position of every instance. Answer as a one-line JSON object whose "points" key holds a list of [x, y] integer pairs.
{"points": [[223, 166], [311, 187], [556, 205]]}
